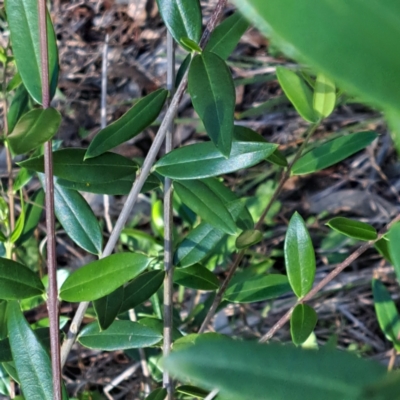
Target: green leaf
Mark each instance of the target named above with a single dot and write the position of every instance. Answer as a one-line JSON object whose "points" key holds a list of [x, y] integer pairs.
{"points": [[3, 319], [139, 117], [193, 338], [211, 88], [192, 391], [120, 335], [394, 249], [324, 100], [99, 278], [17, 281], [332, 152], [203, 160], [386, 312], [23, 177], [204, 202], [33, 129], [284, 372], [17, 107], [182, 70], [299, 256], [69, 164], [328, 43], [197, 245], [256, 288], [225, 37], [298, 92], [32, 361], [158, 394], [107, 307], [190, 45], [141, 289], [302, 323], [354, 229], [196, 277], [158, 326], [248, 238], [5, 350], [382, 246], [19, 225], [182, 18], [23, 21]]}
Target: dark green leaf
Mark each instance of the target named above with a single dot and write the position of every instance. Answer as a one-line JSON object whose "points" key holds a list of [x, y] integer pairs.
{"points": [[203, 160], [33, 129], [17, 107], [99, 278], [158, 394], [197, 245], [226, 35], [332, 152], [17, 281], [298, 92], [69, 164], [213, 96], [324, 96], [5, 350], [248, 238], [23, 21], [394, 248], [204, 202], [141, 289], [302, 323], [182, 18], [139, 117], [32, 361], [192, 338], [158, 326], [119, 336], [257, 288], [3, 319], [386, 313], [354, 229], [299, 256], [182, 70], [196, 277], [192, 391], [107, 307], [384, 389], [382, 246], [284, 372]]}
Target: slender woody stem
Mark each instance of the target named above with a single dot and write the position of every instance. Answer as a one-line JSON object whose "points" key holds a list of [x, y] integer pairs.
{"points": [[52, 303]]}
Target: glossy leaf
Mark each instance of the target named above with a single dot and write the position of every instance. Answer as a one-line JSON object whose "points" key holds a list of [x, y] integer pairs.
{"points": [[33, 129], [225, 37], [332, 152], [298, 92], [203, 201], [99, 278], [248, 238], [302, 323], [382, 246], [196, 277], [32, 361], [299, 256], [394, 249], [107, 307], [354, 229], [257, 288], [182, 18], [158, 394], [17, 107], [212, 91], [386, 313], [182, 69], [141, 289], [23, 21], [191, 45], [17, 281], [139, 117], [69, 164], [328, 43], [197, 245], [284, 372], [324, 100], [120, 335], [20, 223], [158, 326], [203, 160]]}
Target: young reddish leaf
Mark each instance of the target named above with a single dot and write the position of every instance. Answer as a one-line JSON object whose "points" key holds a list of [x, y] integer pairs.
{"points": [[354, 229], [302, 323]]}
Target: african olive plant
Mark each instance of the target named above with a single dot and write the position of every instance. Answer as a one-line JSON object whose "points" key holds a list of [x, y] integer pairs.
{"points": [[345, 47]]}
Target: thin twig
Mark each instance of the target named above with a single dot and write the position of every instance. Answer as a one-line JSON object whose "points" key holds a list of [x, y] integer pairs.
{"points": [[239, 257], [52, 302], [139, 182], [168, 224]]}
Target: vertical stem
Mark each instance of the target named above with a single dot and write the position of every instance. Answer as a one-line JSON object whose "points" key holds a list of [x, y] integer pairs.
{"points": [[168, 224], [52, 302]]}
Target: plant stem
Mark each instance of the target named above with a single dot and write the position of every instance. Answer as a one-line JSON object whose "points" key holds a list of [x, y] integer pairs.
{"points": [[239, 257], [168, 225], [140, 180], [52, 302]]}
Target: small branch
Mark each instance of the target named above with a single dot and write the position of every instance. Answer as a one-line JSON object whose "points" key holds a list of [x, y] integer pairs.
{"points": [[52, 303], [141, 178], [332, 275], [168, 225], [239, 257]]}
